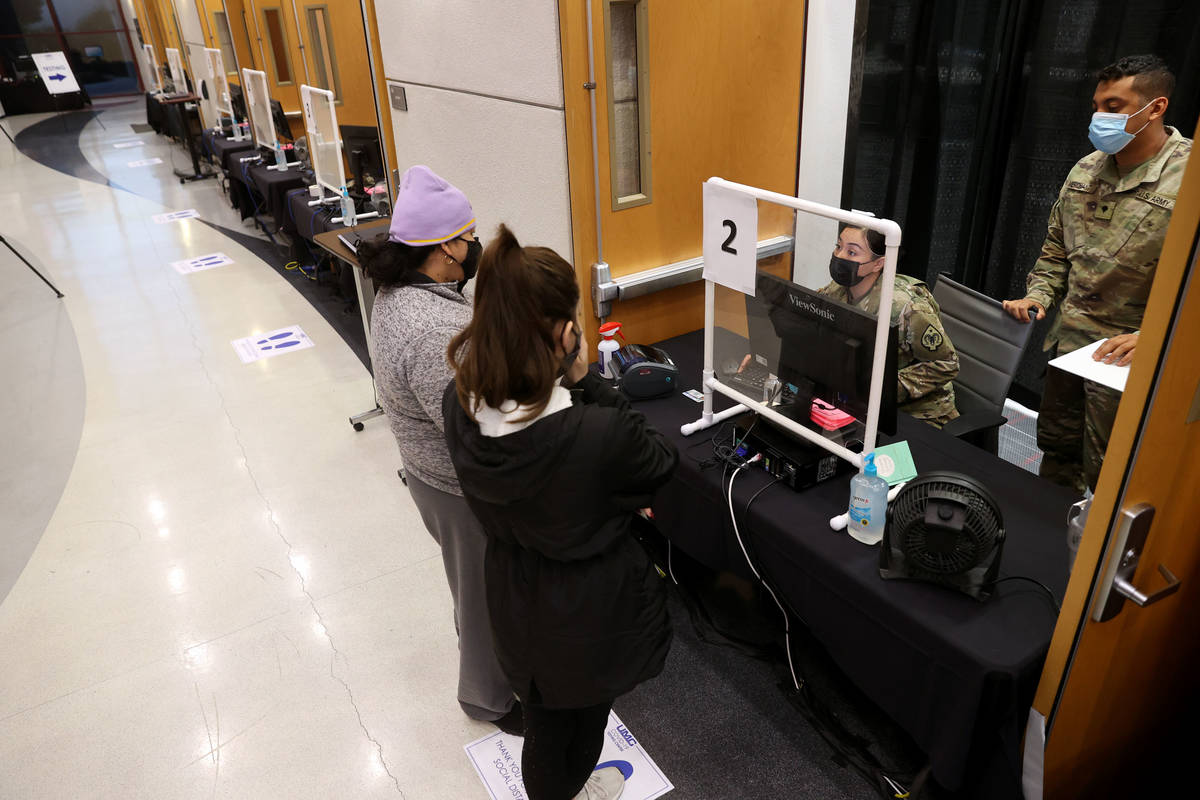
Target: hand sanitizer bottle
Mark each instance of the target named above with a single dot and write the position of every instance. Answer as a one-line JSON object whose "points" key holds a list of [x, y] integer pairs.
{"points": [[868, 504], [608, 345], [348, 217]]}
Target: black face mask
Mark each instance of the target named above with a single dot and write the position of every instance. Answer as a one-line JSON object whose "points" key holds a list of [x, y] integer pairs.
{"points": [[470, 264], [570, 357], [844, 271]]}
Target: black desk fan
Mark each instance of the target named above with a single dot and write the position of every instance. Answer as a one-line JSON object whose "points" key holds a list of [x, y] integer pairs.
{"points": [[944, 528]]}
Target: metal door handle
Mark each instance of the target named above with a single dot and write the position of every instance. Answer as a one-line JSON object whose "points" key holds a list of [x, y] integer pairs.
{"points": [[1126, 545], [1127, 589]]}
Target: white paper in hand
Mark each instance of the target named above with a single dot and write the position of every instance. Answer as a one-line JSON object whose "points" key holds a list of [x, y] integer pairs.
{"points": [[1079, 362], [730, 238]]}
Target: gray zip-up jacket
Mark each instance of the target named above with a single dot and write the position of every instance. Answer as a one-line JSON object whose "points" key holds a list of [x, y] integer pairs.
{"points": [[412, 326]]}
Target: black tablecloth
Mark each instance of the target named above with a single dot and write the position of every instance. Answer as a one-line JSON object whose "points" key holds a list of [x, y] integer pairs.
{"points": [[221, 151], [156, 113], [305, 221], [958, 675], [273, 186]]}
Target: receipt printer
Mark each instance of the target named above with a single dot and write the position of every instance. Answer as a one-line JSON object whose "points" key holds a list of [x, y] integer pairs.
{"points": [[645, 371]]}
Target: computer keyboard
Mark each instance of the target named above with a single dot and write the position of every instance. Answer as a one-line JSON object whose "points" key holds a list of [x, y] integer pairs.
{"points": [[750, 379]]}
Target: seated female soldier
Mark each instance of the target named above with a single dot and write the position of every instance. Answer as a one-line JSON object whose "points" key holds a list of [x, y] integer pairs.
{"points": [[926, 363]]}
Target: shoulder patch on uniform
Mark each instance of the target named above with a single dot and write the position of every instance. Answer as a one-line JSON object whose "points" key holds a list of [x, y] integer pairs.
{"points": [[932, 338], [1154, 198], [1080, 186]]}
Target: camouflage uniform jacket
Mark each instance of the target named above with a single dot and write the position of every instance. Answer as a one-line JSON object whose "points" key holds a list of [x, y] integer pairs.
{"points": [[1102, 245], [927, 362]]}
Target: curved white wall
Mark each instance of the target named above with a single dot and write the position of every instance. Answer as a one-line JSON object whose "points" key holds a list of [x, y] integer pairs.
{"points": [[483, 81]]}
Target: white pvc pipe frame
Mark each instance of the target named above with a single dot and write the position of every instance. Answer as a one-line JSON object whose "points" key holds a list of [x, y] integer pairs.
{"points": [[216, 71], [891, 232], [310, 95], [254, 83], [148, 49]]}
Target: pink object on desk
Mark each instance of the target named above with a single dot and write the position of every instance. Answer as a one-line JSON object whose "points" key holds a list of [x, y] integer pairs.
{"points": [[828, 417]]}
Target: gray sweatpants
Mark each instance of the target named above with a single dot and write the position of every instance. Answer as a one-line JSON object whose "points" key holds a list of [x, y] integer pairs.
{"points": [[483, 691]]}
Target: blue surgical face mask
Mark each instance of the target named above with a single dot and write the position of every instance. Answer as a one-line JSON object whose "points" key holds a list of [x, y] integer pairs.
{"points": [[1107, 132]]}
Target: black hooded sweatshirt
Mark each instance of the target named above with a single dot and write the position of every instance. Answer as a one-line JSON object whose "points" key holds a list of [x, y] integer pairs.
{"points": [[577, 608]]}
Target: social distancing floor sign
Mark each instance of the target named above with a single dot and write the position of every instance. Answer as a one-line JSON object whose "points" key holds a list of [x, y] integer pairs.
{"points": [[497, 760], [201, 263], [272, 343]]}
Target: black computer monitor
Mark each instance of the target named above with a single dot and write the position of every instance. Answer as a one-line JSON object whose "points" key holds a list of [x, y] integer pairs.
{"points": [[283, 128], [361, 146], [237, 102], [820, 348]]}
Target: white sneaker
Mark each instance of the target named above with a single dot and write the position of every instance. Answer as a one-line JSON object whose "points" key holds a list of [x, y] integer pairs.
{"points": [[604, 784]]}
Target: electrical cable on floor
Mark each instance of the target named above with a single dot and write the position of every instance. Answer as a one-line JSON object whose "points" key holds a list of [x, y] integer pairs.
{"points": [[296, 265], [767, 586], [870, 768]]}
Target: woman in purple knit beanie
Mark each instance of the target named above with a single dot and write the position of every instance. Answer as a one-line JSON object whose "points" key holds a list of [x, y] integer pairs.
{"points": [[421, 269]]}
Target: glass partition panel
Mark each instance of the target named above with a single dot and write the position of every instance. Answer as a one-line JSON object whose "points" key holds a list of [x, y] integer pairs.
{"points": [[102, 62], [225, 41], [277, 45], [626, 24]]}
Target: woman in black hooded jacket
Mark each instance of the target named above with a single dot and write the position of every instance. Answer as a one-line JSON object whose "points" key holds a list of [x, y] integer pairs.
{"points": [[555, 464]]}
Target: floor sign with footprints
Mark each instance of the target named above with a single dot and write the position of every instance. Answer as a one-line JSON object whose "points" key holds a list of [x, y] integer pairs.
{"points": [[497, 759]]}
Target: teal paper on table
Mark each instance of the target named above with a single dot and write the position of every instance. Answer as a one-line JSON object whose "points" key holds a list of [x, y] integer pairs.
{"points": [[895, 463]]}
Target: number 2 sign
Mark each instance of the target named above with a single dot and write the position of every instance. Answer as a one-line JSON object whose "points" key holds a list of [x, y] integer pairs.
{"points": [[730, 238]]}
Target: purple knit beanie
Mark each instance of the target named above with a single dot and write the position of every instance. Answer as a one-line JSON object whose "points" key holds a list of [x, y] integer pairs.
{"points": [[428, 210]]}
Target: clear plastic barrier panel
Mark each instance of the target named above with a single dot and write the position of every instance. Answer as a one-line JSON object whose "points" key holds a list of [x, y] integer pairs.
{"points": [[156, 76], [175, 65], [220, 81], [258, 103], [811, 357], [202, 82], [324, 146]]}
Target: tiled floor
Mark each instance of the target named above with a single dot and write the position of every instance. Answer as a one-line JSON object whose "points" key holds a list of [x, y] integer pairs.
{"points": [[217, 606]]}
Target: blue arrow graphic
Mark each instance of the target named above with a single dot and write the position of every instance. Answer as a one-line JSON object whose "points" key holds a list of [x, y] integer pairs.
{"points": [[276, 337], [57, 77]]}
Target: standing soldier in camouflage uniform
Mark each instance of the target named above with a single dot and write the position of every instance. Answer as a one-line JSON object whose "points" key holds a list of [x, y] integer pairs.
{"points": [[1102, 245], [926, 363]]}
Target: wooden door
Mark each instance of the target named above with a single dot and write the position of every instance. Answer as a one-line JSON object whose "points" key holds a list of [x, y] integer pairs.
{"points": [[280, 47], [244, 35], [722, 90], [1117, 695], [336, 53]]}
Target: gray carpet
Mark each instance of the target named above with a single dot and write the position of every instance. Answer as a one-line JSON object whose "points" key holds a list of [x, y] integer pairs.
{"points": [[720, 720]]}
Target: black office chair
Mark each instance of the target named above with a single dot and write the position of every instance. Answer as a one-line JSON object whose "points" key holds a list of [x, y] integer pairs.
{"points": [[989, 344]]}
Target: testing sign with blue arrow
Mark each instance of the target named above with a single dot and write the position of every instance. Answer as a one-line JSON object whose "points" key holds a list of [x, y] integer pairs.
{"points": [[56, 72]]}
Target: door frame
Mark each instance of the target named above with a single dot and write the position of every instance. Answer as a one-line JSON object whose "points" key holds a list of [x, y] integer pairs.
{"points": [[1172, 281]]}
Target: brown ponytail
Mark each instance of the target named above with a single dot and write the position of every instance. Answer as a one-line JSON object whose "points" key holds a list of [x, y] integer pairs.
{"points": [[507, 352]]}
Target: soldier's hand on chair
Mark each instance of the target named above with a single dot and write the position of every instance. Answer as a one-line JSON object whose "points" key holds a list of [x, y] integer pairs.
{"points": [[1117, 350], [1021, 310]]}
